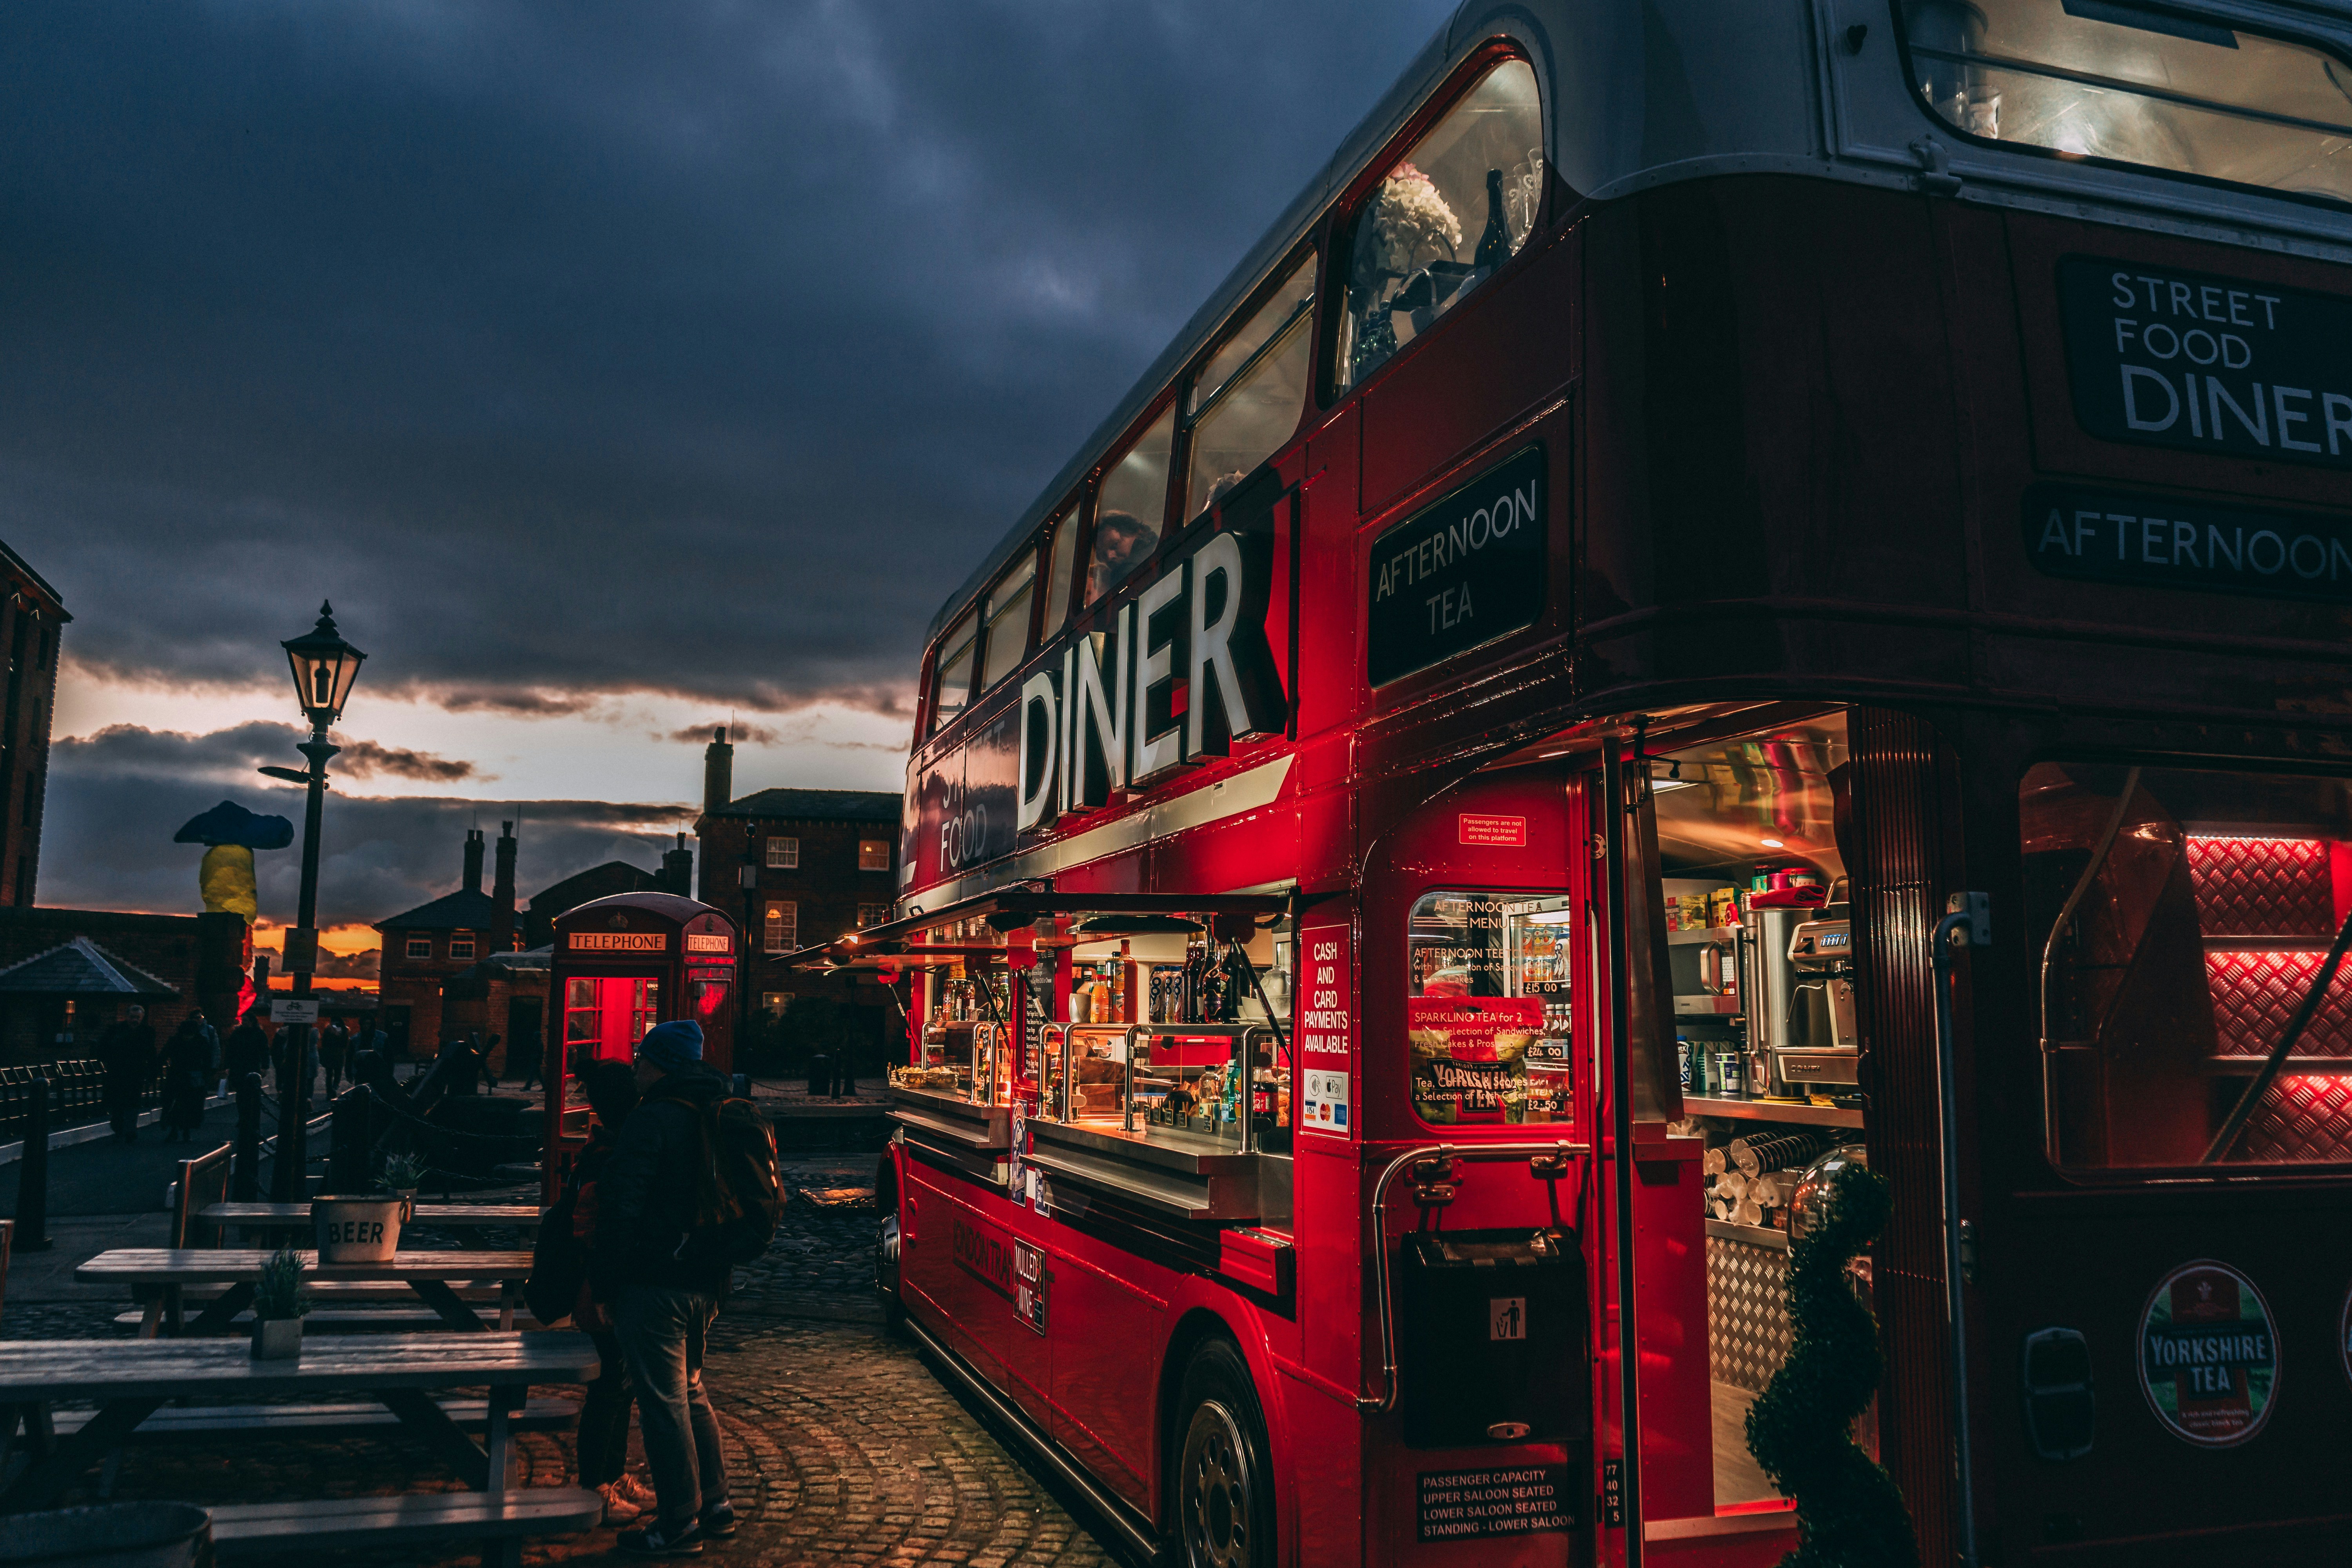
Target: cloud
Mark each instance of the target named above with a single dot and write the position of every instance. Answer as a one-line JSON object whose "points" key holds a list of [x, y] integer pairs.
{"points": [[365, 759], [697, 349], [116, 797]]}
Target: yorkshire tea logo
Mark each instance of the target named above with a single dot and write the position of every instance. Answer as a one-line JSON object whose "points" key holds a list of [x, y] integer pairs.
{"points": [[2208, 1355]]}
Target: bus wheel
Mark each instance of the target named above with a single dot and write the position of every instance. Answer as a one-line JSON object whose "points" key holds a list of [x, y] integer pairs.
{"points": [[1224, 1495]]}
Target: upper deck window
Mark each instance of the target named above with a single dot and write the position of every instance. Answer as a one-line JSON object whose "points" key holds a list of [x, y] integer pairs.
{"points": [[2108, 79], [1008, 620], [1457, 205], [1247, 398], [1134, 501], [1065, 559], [953, 688], [2176, 919]]}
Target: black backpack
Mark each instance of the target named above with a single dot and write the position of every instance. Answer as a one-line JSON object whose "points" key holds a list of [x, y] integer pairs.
{"points": [[739, 1193]]}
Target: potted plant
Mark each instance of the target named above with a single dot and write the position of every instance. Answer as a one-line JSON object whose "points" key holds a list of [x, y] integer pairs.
{"points": [[403, 1174], [279, 1306]]}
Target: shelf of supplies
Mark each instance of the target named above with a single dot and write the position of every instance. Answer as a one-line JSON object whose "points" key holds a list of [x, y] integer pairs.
{"points": [[1801, 1113], [1706, 1007], [1695, 935]]}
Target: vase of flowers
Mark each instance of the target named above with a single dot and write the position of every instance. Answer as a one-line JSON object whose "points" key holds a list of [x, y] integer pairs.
{"points": [[279, 1306], [403, 1174]]}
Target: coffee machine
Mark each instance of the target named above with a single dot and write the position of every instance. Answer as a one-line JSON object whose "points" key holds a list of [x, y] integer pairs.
{"points": [[1819, 1044]]}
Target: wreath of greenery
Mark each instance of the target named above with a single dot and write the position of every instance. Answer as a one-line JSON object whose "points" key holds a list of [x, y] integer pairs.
{"points": [[1849, 1512]]}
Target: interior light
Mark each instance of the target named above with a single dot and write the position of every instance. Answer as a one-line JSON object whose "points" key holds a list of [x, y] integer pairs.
{"points": [[1552, 918], [1770, 842]]}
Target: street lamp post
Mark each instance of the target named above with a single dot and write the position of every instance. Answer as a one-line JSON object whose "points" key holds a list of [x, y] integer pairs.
{"points": [[324, 667]]}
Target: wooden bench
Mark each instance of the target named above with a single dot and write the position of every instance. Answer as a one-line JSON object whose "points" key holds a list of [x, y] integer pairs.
{"points": [[356, 1320], [359, 1419], [500, 1521]]}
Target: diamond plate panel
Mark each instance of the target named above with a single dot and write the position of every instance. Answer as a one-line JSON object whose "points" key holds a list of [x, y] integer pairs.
{"points": [[1747, 1312], [2255, 994], [2262, 887], [2303, 1120]]}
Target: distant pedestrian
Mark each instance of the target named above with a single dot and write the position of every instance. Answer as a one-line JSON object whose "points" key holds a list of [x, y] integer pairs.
{"points": [[246, 1050], [489, 1061], [654, 1271], [334, 1049], [187, 1071], [127, 1050], [529, 1047]]}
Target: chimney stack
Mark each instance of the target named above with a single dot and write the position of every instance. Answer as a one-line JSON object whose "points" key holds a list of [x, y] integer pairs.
{"points": [[678, 871], [502, 890], [718, 772], [473, 859]]}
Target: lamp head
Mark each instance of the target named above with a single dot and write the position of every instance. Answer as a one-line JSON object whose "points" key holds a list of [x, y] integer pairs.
{"points": [[324, 667]]}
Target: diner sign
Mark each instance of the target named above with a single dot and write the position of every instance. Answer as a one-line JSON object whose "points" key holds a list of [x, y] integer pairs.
{"points": [[620, 942], [2160, 357], [2098, 535], [1463, 571]]}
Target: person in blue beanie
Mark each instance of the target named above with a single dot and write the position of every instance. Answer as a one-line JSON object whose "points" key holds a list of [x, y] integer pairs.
{"points": [[663, 1289]]}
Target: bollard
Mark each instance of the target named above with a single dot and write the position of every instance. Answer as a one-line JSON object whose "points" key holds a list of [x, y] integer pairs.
{"points": [[33, 1173], [347, 1146], [245, 1175], [290, 1165]]}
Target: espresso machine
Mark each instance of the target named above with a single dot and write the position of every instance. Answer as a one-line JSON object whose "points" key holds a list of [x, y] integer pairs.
{"points": [[1820, 1043]]}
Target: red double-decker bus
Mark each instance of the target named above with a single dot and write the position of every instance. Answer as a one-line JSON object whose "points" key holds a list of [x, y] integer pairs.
{"points": [[1730, 593]]}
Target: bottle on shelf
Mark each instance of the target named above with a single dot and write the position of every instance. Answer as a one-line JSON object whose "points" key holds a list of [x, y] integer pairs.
{"points": [[1495, 245]]}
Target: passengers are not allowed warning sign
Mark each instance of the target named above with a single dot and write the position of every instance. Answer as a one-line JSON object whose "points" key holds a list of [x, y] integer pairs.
{"points": [[1470, 1505], [2209, 1354]]}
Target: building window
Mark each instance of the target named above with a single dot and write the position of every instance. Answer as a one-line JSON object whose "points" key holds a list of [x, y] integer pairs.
{"points": [[784, 926], [462, 945], [784, 854], [872, 915], [874, 855], [775, 1001], [419, 947]]}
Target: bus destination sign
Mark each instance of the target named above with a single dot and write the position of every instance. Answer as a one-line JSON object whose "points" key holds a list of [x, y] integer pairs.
{"points": [[2165, 358], [2158, 541], [1459, 573]]}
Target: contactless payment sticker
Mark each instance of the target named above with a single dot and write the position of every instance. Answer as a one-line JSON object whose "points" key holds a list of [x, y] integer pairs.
{"points": [[2209, 1354]]}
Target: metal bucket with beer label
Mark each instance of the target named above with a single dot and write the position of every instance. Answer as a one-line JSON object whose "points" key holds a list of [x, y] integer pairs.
{"points": [[356, 1229]]}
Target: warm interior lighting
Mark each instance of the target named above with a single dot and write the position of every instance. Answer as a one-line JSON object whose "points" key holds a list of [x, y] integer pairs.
{"points": [[1552, 918], [1770, 842]]}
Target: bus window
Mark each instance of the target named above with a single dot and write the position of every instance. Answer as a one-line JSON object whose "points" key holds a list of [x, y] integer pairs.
{"points": [[1247, 399], [1007, 631], [1065, 560], [2193, 912], [1409, 257], [1128, 516], [953, 688], [1487, 1046], [2105, 79]]}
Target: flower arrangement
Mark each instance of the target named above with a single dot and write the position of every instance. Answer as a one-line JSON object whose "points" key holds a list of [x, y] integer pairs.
{"points": [[278, 1293], [1414, 222]]}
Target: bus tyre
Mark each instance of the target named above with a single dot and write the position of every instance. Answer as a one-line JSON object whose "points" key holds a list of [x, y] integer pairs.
{"points": [[885, 1275], [1224, 1491]]}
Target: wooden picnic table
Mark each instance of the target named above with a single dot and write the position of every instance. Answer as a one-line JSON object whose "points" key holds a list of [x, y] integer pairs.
{"points": [[297, 1216], [156, 1276], [132, 1379]]}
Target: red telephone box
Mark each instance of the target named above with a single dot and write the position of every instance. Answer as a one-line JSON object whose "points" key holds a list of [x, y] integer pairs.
{"points": [[621, 965]]}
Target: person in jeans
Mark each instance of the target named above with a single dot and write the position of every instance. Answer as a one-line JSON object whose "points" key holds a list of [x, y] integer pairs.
{"points": [[603, 1440], [663, 1289]]}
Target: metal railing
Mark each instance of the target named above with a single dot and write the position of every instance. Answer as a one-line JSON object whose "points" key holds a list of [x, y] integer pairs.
{"points": [[77, 1094]]}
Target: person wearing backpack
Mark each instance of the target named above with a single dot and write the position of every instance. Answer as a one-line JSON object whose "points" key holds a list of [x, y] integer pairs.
{"points": [[660, 1261]]}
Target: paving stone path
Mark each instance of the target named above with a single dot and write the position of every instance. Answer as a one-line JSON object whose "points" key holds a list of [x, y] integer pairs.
{"points": [[843, 1447]]}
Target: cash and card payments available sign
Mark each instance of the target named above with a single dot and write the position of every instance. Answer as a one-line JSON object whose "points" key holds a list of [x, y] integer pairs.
{"points": [[1459, 573], [1325, 959], [2200, 363]]}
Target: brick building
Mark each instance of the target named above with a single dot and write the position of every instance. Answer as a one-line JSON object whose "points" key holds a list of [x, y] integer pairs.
{"points": [[819, 862], [676, 875], [433, 943], [31, 617], [65, 975]]}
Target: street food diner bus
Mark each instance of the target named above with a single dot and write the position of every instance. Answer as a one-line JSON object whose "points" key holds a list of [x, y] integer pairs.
{"points": [[1731, 592], [618, 966]]}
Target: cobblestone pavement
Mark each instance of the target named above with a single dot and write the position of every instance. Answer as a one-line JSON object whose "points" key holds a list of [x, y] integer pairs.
{"points": [[843, 1446]]}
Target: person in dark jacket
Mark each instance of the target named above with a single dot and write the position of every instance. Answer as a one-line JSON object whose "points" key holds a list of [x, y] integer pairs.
{"points": [[187, 1074], [246, 1050], [127, 1051], [603, 1440], [664, 1290]]}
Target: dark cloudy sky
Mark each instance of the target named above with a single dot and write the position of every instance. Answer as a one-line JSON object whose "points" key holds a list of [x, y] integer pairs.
{"points": [[614, 368]]}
